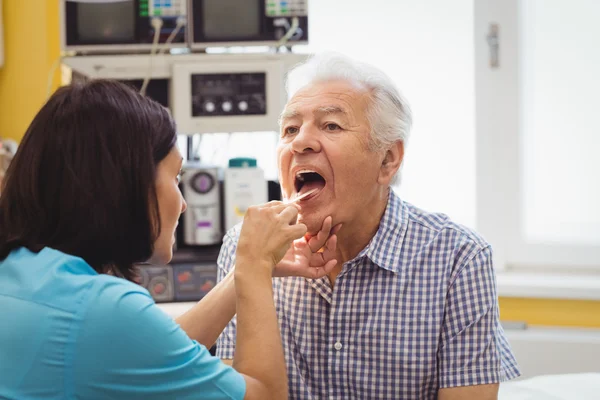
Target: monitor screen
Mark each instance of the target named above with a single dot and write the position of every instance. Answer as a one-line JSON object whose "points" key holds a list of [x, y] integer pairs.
{"points": [[106, 22], [231, 19]]}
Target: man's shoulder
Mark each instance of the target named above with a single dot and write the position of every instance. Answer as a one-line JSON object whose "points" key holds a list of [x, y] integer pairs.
{"points": [[442, 227], [229, 246], [232, 235]]}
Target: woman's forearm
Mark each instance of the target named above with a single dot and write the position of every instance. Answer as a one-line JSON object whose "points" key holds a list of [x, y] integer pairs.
{"points": [[259, 351], [207, 319]]}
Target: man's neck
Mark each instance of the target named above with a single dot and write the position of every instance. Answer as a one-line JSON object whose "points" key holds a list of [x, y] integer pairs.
{"points": [[356, 235]]}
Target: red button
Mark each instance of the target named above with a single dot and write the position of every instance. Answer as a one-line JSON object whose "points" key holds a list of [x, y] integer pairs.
{"points": [[159, 288], [184, 277], [207, 287]]}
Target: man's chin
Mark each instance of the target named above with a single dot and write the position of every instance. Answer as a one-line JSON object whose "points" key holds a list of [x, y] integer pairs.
{"points": [[313, 222]]}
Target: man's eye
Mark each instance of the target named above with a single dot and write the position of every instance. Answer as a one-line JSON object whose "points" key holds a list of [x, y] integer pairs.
{"points": [[290, 130], [332, 127]]}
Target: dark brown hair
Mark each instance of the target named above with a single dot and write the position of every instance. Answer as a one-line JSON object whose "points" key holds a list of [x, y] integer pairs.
{"points": [[83, 179]]}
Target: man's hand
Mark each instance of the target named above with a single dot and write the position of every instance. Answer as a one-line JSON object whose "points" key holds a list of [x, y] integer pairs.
{"points": [[311, 256]]}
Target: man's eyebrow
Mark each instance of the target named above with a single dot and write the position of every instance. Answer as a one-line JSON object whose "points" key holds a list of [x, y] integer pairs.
{"points": [[330, 110], [324, 110], [289, 113]]}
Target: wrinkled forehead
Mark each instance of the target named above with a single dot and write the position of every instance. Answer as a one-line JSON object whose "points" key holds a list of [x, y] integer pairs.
{"points": [[327, 98]]}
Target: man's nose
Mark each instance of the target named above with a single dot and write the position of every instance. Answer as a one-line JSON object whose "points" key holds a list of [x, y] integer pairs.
{"points": [[306, 140]]}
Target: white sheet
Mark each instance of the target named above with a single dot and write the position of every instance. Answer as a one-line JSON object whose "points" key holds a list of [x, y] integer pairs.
{"points": [[553, 387]]}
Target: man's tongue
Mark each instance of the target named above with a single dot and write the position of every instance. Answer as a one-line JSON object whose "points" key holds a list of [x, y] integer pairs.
{"points": [[312, 185]]}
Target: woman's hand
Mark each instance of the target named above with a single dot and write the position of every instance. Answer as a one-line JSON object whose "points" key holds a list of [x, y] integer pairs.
{"points": [[267, 233], [311, 256]]}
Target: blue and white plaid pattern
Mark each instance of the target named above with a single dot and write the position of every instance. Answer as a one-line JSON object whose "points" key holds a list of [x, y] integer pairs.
{"points": [[415, 311]]}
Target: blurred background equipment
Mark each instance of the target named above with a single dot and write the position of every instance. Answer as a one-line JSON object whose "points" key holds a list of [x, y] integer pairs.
{"points": [[127, 26], [247, 22], [123, 26], [207, 93], [186, 55]]}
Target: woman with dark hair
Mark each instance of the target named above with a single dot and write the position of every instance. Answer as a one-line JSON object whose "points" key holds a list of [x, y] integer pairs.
{"points": [[92, 191]]}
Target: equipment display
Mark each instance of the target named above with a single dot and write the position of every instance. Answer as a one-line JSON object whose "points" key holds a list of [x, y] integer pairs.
{"points": [[228, 94], [122, 25], [206, 93], [193, 281], [247, 22], [202, 220], [241, 95], [244, 186], [158, 280]]}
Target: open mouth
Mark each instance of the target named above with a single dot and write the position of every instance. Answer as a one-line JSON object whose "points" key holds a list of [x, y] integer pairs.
{"points": [[306, 181]]}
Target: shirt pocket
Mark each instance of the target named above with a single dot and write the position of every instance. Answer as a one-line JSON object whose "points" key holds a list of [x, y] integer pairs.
{"points": [[400, 344]]}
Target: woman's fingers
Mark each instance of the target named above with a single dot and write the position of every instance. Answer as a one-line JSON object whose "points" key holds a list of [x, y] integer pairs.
{"points": [[318, 241]]}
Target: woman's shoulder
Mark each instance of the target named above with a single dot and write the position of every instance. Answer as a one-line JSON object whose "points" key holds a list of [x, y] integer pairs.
{"points": [[62, 281]]}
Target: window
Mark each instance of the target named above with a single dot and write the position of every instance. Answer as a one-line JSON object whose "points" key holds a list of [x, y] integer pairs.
{"points": [[538, 185]]}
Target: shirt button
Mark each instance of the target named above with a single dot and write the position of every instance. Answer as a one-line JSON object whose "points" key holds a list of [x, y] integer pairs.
{"points": [[337, 346]]}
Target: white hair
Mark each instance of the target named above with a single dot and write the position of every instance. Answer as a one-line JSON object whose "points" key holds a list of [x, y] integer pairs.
{"points": [[388, 114]]}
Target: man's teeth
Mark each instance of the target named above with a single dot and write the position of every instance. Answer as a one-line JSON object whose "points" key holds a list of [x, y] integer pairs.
{"points": [[300, 174]]}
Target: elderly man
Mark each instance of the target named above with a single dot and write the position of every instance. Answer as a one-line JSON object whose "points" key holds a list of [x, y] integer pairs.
{"points": [[410, 309]]}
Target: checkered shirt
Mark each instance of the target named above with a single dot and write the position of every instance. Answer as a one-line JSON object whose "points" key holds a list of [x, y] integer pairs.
{"points": [[415, 311]]}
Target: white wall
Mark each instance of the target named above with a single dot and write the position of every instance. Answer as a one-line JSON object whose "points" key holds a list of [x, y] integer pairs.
{"points": [[550, 351]]}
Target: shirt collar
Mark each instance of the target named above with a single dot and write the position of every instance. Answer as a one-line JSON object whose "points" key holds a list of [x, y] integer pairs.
{"points": [[384, 249]]}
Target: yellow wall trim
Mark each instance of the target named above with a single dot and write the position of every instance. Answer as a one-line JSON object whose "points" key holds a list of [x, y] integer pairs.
{"points": [[551, 312], [31, 48]]}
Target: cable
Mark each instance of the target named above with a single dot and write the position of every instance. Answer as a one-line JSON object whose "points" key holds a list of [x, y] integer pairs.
{"points": [[55, 65], [181, 21], [295, 23], [226, 147], [157, 24], [196, 148]]}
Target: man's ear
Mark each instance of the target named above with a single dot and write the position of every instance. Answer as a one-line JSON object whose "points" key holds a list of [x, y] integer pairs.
{"points": [[391, 163]]}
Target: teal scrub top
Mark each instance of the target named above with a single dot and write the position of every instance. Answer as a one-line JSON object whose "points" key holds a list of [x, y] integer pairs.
{"points": [[67, 332]]}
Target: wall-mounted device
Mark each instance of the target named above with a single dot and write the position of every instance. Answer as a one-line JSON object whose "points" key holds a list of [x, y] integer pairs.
{"points": [[227, 96], [193, 281], [131, 69], [247, 22], [202, 220], [207, 93], [117, 26], [158, 280], [188, 281]]}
